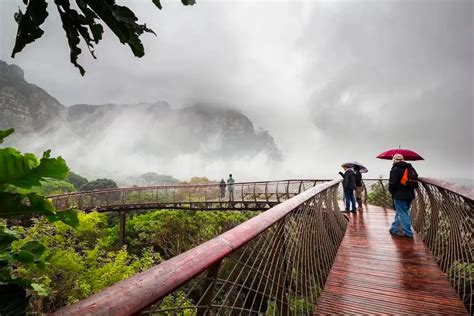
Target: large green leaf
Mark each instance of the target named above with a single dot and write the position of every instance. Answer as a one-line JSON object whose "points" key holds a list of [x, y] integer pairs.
{"points": [[24, 257], [68, 217], [158, 4], [29, 24], [15, 204], [26, 171], [7, 236], [34, 247], [5, 133]]}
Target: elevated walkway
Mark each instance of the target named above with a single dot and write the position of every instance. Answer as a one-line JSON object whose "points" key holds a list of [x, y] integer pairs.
{"points": [[376, 273], [300, 257]]}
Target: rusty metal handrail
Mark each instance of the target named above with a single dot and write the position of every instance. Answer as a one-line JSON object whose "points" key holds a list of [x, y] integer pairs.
{"points": [[179, 186], [450, 186], [196, 196], [140, 291], [443, 216]]}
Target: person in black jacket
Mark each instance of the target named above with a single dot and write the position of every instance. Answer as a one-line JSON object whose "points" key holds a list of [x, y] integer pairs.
{"points": [[349, 185], [359, 186], [403, 192]]}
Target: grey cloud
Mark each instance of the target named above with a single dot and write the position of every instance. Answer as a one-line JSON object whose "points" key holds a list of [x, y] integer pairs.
{"points": [[330, 80], [397, 73]]}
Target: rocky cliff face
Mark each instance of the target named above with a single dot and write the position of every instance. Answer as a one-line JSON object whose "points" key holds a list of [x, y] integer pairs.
{"points": [[155, 127], [23, 105], [98, 136]]}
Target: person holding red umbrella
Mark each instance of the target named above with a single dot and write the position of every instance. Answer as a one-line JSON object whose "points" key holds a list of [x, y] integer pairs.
{"points": [[402, 184]]}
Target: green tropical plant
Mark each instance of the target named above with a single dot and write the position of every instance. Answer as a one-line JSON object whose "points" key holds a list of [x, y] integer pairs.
{"points": [[79, 262], [19, 175]]}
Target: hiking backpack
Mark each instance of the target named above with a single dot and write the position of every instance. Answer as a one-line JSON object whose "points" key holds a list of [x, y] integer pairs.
{"points": [[410, 178]]}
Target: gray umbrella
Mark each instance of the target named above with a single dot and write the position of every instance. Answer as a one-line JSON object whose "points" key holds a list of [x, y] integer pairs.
{"points": [[363, 169]]}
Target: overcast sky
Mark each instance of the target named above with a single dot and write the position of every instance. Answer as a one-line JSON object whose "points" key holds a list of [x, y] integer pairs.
{"points": [[331, 80]]}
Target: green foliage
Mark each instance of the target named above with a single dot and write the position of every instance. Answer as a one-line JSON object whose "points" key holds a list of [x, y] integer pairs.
{"points": [[178, 298], [379, 195], [84, 23], [98, 185], [26, 171], [19, 173], [79, 262], [52, 187], [173, 232], [5, 133], [199, 180], [76, 180], [152, 178], [461, 275]]}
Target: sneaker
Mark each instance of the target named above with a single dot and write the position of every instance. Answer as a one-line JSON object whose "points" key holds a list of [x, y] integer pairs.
{"points": [[354, 211], [400, 234], [346, 211], [393, 233]]}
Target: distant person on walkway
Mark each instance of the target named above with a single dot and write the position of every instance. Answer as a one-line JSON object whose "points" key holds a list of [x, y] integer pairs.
{"points": [[349, 185], [222, 186], [402, 184], [359, 186], [230, 187]]}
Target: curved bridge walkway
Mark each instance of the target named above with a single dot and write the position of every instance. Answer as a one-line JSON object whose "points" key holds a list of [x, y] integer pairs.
{"points": [[250, 196], [302, 256], [376, 273]]}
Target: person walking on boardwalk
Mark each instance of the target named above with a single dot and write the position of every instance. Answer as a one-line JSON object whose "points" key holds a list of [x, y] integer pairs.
{"points": [[222, 186], [349, 185], [230, 187], [402, 184], [359, 186]]}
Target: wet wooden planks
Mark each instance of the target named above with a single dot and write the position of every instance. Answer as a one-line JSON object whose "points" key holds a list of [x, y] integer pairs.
{"points": [[375, 273]]}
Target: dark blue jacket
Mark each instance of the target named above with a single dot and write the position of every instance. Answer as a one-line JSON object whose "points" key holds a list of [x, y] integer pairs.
{"points": [[349, 182]]}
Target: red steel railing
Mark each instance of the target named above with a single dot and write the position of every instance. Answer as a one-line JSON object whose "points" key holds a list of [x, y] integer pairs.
{"points": [[277, 261], [245, 195], [443, 216]]}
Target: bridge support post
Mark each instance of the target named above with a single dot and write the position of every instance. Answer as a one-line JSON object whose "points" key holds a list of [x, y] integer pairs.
{"points": [[208, 290], [122, 228]]}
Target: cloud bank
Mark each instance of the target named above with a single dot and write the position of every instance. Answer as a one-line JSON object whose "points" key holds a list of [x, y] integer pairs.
{"points": [[330, 80]]}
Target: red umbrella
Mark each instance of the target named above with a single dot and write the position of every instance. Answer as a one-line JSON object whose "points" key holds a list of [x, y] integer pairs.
{"points": [[406, 153]]}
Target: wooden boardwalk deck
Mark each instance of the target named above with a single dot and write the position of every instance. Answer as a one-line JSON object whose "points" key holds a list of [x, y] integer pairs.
{"points": [[375, 273]]}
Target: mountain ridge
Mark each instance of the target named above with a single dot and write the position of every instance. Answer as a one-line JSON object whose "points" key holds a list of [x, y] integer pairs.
{"points": [[149, 129]]}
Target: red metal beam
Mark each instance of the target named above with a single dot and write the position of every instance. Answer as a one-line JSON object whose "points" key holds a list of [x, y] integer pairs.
{"points": [[453, 187]]}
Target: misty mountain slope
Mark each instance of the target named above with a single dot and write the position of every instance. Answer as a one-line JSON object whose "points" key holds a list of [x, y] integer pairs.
{"points": [[226, 131], [130, 139], [158, 129], [24, 106]]}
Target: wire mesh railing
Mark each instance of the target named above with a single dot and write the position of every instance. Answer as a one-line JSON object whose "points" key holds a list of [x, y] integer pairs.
{"points": [[248, 195], [273, 264], [443, 216]]}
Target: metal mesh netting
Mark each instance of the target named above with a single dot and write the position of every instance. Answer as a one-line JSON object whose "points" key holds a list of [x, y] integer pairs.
{"points": [[281, 272], [445, 222]]}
